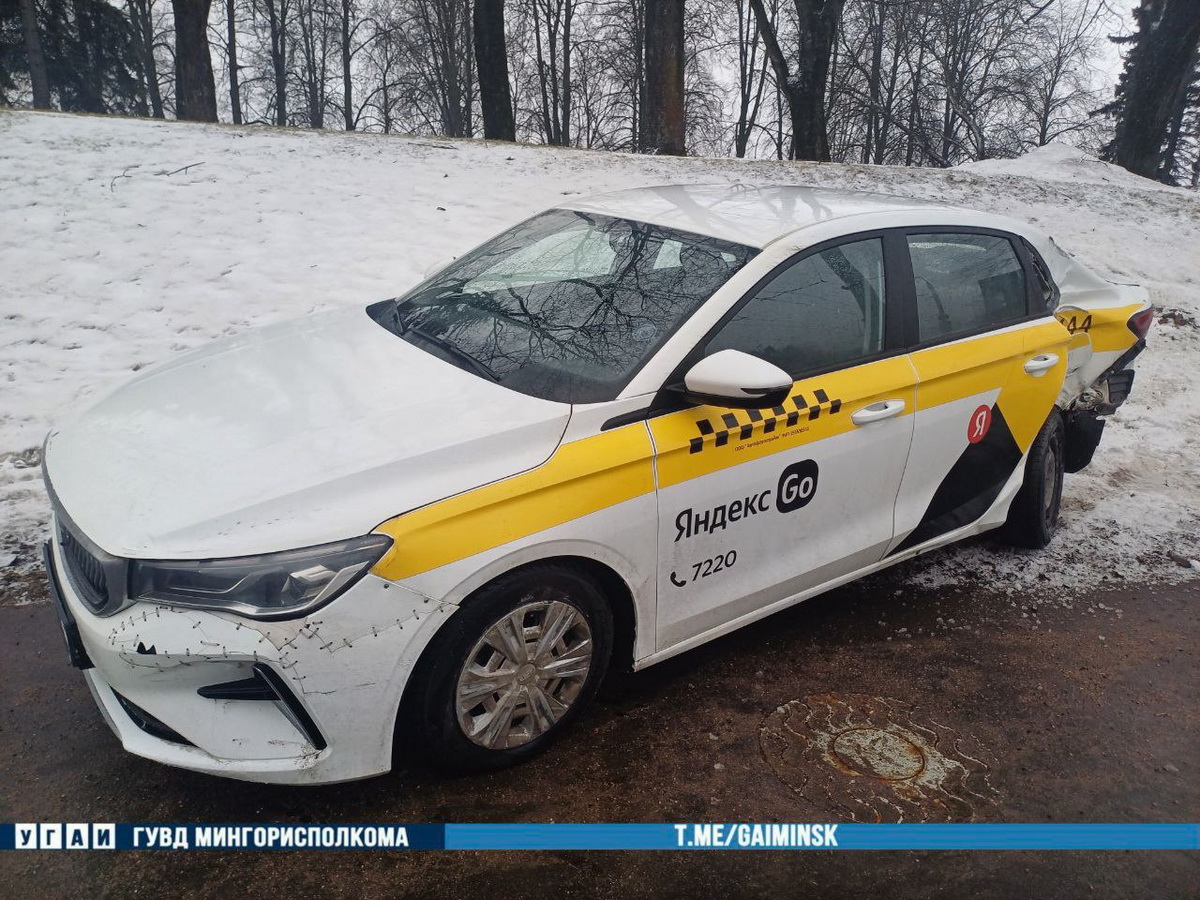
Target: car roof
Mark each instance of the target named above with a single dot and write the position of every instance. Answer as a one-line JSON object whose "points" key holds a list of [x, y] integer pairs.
{"points": [[754, 215]]}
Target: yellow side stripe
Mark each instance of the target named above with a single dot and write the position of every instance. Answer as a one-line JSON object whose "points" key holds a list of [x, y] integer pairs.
{"points": [[581, 478], [597, 472]]}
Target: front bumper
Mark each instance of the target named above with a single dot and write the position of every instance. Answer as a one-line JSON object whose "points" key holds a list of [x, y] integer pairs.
{"points": [[317, 697]]}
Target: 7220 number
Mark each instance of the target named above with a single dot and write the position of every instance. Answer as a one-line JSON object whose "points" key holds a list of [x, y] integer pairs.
{"points": [[712, 566]]}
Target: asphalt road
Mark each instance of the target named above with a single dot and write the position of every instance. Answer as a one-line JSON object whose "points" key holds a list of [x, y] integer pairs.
{"points": [[876, 702]]}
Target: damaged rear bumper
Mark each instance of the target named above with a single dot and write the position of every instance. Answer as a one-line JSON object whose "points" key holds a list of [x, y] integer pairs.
{"points": [[305, 701], [1085, 423]]}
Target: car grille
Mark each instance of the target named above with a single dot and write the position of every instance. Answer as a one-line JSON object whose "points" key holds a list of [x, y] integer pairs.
{"points": [[87, 572]]}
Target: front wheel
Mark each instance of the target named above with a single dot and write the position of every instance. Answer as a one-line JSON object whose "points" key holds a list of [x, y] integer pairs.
{"points": [[509, 671], [1033, 516]]}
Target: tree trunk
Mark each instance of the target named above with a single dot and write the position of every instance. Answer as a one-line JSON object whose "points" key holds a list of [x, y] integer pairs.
{"points": [[491, 61], [554, 84], [1154, 70], [235, 92], [277, 22], [565, 131], [195, 91], [637, 94], [914, 106], [543, 85], [871, 146], [33, 52], [663, 127], [347, 81], [817, 32]]}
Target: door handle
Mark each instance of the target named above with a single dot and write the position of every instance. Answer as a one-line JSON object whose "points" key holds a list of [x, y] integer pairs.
{"points": [[877, 412], [1041, 364]]}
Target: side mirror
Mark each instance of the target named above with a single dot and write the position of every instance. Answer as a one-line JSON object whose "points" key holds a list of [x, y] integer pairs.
{"points": [[736, 379]]}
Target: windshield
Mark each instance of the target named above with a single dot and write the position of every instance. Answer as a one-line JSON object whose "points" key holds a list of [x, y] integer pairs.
{"points": [[566, 306]]}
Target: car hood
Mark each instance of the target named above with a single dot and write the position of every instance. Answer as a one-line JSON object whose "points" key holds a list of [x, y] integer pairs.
{"points": [[286, 436]]}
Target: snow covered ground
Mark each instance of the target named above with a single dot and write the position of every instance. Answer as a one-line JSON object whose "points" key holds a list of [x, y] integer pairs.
{"points": [[123, 242]]}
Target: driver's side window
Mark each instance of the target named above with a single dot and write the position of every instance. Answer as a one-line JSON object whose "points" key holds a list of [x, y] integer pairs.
{"points": [[821, 312]]}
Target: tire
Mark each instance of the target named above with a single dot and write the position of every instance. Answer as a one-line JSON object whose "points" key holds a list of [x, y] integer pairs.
{"points": [[1033, 516], [469, 654]]}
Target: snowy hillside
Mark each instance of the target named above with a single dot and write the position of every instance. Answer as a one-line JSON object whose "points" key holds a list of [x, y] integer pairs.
{"points": [[124, 242]]}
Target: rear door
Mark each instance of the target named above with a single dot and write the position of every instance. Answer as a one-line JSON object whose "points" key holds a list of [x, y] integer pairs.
{"points": [[758, 505], [990, 359]]}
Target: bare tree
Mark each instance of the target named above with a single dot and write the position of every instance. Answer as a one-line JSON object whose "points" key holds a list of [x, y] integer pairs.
{"points": [[383, 68], [916, 82], [705, 78], [277, 14], [552, 21], [804, 82], [313, 20], [753, 71], [613, 41], [1053, 89], [439, 50]]}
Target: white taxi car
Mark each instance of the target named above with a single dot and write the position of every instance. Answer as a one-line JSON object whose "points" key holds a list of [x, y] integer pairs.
{"points": [[612, 433]]}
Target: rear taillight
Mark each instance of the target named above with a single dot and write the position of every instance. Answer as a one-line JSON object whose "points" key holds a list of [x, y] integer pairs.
{"points": [[1139, 323]]}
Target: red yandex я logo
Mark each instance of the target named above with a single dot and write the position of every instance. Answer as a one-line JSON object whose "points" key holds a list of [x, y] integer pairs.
{"points": [[981, 421]]}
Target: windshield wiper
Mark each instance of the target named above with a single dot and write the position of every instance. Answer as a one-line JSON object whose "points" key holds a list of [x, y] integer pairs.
{"points": [[479, 368]]}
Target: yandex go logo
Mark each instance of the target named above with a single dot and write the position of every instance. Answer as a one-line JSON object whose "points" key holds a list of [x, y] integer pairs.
{"points": [[797, 486]]}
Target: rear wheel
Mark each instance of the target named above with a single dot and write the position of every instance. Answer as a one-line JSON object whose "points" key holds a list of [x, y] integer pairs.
{"points": [[509, 672], [1033, 516]]}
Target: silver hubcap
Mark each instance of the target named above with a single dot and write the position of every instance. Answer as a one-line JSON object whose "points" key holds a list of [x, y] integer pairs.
{"points": [[523, 674]]}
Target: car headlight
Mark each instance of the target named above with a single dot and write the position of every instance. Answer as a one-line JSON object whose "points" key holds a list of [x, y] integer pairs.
{"points": [[270, 586]]}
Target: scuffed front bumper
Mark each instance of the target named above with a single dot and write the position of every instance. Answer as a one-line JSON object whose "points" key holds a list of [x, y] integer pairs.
{"points": [[316, 697]]}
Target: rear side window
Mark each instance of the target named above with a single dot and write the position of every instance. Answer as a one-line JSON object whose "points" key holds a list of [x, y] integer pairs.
{"points": [[965, 283], [824, 311]]}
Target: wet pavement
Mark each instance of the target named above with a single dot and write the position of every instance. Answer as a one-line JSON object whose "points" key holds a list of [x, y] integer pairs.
{"points": [[877, 702]]}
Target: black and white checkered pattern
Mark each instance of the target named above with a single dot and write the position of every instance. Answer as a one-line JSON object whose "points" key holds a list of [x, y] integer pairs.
{"points": [[731, 425]]}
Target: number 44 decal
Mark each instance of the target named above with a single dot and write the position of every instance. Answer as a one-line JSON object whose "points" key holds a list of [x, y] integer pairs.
{"points": [[706, 567], [1073, 323]]}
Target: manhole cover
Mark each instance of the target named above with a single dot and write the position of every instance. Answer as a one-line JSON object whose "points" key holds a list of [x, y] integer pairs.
{"points": [[867, 757], [881, 754]]}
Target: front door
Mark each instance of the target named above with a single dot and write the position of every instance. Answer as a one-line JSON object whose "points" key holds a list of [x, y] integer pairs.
{"points": [[758, 505]]}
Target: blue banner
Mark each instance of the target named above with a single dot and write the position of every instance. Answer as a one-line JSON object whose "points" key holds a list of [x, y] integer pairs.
{"points": [[791, 836], [566, 836]]}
